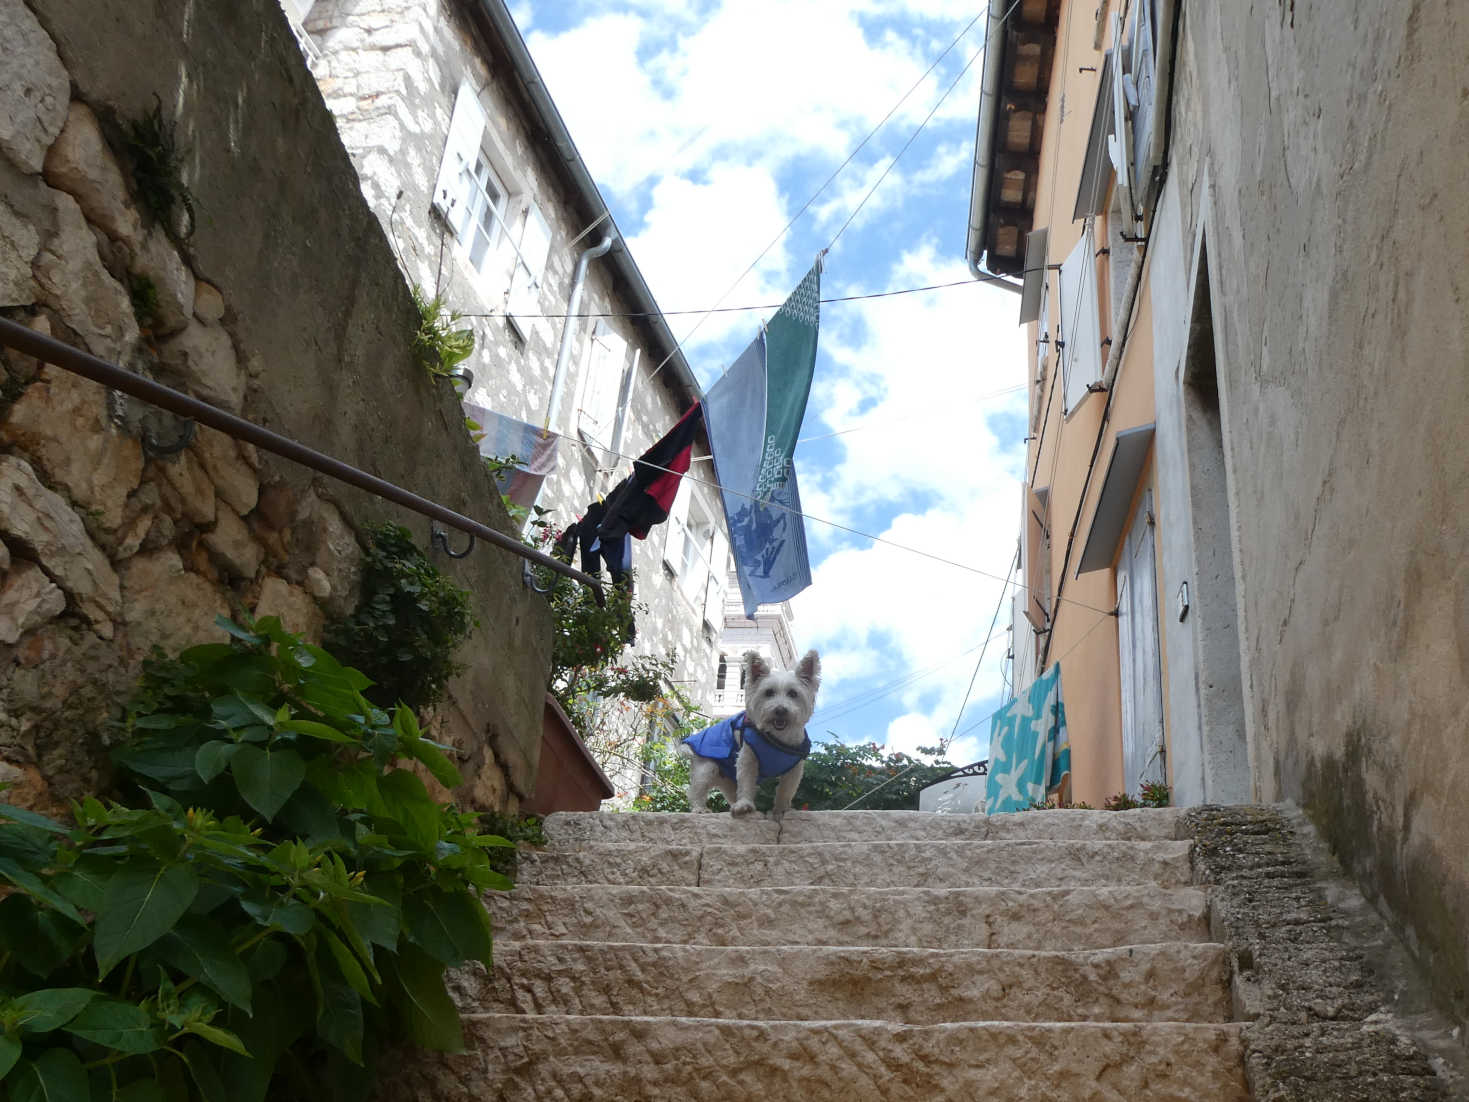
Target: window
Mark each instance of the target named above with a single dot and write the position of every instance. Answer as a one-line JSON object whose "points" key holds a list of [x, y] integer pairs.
{"points": [[696, 554], [1079, 324], [481, 209], [603, 366], [501, 231]]}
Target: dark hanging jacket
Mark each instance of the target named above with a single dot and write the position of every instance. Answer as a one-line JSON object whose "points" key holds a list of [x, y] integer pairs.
{"points": [[643, 498]]}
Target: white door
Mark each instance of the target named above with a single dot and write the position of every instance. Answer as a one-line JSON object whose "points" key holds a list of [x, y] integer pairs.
{"points": [[1137, 648]]}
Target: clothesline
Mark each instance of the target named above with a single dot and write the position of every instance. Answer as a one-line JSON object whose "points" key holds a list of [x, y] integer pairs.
{"points": [[968, 281], [834, 524]]}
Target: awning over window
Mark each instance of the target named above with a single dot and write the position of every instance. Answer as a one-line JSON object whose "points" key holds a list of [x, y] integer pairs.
{"points": [[1129, 453]]}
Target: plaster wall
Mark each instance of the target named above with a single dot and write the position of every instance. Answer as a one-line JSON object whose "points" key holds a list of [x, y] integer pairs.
{"points": [[1338, 223], [389, 72], [284, 304]]}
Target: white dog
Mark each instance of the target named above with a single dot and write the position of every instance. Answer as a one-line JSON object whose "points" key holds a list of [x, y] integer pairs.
{"points": [[768, 739]]}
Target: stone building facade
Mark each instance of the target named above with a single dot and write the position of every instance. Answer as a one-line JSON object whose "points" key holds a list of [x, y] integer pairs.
{"points": [[285, 305], [473, 175]]}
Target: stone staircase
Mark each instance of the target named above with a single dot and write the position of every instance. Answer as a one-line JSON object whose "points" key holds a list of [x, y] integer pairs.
{"points": [[852, 956]]}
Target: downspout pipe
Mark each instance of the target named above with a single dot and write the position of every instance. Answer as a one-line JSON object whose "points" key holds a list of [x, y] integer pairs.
{"points": [[984, 133], [568, 327]]}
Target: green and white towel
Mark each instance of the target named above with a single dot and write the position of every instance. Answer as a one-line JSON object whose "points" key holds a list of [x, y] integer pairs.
{"points": [[1030, 753]]}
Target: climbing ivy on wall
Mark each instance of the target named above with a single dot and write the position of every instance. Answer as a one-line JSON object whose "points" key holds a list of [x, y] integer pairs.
{"points": [[272, 901]]}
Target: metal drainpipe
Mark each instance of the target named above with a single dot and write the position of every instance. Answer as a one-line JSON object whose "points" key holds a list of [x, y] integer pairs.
{"points": [[568, 327]]}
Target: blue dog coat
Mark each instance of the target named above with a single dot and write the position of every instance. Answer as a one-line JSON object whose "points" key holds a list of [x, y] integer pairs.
{"points": [[722, 743]]}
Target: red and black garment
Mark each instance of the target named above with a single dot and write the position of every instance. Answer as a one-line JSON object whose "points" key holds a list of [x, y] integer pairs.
{"points": [[643, 498]]}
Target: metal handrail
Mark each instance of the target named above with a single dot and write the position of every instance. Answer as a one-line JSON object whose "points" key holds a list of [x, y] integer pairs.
{"points": [[65, 356]]}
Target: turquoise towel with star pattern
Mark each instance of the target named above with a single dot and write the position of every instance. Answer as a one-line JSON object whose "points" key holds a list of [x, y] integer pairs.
{"points": [[1030, 753]]}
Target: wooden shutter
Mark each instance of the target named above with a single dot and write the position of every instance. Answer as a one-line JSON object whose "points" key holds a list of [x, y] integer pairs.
{"points": [[718, 579], [673, 541], [1145, 79], [530, 267], [1138, 656], [605, 361], [1119, 144], [1080, 324], [1036, 555], [466, 131]]}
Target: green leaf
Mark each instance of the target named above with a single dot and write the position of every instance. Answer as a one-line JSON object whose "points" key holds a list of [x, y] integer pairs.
{"points": [[349, 966], [238, 632], [200, 1062], [340, 1021], [312, 729], [449, 926], [54, 1076], [216, 1036], [201, 949], [379, 923], [268, 958], [86, 881], [171, 765], [123, 1026], [40, 939], [428, 1014], [47, 1009], [444, 771], [266, 778], [213, 759], [409, 804], [30, 818], [24, 878], [9, 1053], [353, 785], [284, 914], [141, 903]]}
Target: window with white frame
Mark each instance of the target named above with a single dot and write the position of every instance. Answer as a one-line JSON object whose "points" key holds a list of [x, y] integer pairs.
{"points": [[696, 554], [501, 231]]}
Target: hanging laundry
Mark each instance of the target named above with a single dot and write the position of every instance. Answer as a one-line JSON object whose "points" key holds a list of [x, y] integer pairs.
{"points": [[643, 498], [754, 414], [1030, 751], [532, 446]]}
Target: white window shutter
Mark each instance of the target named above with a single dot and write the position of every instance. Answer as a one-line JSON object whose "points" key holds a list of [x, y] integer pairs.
{"points": [[605, 364], [677, 515], [535, 250], [1080, 323], [1144, 76], [466, 131], [1119, 144], [1043, 330], [718, 580]]}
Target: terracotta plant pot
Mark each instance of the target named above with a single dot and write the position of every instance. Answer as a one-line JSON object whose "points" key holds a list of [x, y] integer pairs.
{"points": [[569, 779]]}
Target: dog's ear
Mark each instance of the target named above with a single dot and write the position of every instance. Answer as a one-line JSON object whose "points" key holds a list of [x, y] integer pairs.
{"points": [[756, 668], [808, 670]]}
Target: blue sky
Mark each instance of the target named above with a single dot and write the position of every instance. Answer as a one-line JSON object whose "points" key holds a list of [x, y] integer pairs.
{"points": [[708, 125]]}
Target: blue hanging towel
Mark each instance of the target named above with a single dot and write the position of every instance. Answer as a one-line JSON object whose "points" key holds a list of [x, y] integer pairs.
{"points": [[722, 743]]}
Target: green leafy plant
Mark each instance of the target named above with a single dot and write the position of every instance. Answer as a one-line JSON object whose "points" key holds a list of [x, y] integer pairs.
{"points": [[440, 345], [144, 297], [157, 167], [274, 900], [1156, 794], [407, 625], [515, 829]]}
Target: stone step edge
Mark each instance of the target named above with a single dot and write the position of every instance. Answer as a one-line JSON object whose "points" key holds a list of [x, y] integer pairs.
{"points": [[991, 843], [826, 1024], [1129, 947]]}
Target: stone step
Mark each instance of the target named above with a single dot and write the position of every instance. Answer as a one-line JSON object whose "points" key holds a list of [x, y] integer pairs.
{"points": [[925, 918], [570, 828], [865, 864], [514, 1057], [1138, 983]]}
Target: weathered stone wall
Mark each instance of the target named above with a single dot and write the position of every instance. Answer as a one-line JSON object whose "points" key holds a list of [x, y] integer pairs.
{"points": [[1332, 142], [389, 71], [285, 305], [1335, 1007]]}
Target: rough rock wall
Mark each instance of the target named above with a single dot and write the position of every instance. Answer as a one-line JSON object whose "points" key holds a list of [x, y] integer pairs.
{"points": [[284, 305], [1339, 235]]}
